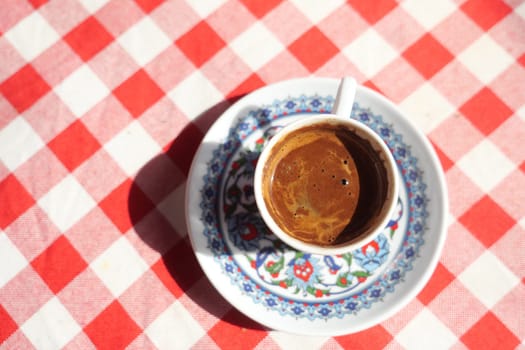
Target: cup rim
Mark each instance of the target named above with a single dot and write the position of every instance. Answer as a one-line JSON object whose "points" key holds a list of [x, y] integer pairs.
{"points": [[387, 209]]}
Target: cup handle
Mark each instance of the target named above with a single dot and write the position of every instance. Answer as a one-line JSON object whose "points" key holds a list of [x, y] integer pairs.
{"points": [[344, 100]]}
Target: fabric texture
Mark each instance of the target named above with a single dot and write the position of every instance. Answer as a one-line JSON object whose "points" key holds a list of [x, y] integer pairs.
{"points": [[104, 103]]}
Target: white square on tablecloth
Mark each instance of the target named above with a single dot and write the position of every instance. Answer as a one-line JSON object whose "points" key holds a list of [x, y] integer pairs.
{"points": [[370, 53], [31, 36], [521, 113], [66, 203], [81, 90], [18, 142], [256, 46], [206, 7], [426, 107], [144, 41], [194, 95], [51, 327], [291, 341], [119, 266], [316, 10], [485, 59], [426, 331], [520, 10], [486, 165], [175, 327], [11, 260], [93, 5], [132, 148], [429, 13], [488, 279]]}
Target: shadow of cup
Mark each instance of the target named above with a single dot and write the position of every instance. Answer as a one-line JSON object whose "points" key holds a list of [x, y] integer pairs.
{"points": [[156, 208]]}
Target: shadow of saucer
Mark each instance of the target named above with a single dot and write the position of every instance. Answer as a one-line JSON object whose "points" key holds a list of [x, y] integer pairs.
{"points": [[159, 186]]}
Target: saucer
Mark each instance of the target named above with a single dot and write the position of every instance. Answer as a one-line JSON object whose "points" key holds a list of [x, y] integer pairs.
{"points": [[293, 291]]}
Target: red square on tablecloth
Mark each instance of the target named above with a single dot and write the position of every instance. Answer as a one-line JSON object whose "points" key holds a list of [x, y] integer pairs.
{"points": [[521, 60], [490, 333], [88, 38], [8, 327], [12, 192], [74, 145], [260, 8], [113, 328], [487, 221], [37, 3], [373, 11], [148, 5], [486, 13], [200, 43], [236, 331], [486, 111], [428, 56], [24, 88], [126, 205], [373, 338], [138, 93], [439, 281], [59, 264], [313, 49]]}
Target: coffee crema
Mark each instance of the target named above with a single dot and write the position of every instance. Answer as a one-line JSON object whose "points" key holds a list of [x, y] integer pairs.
{"points": [[324, 184]]}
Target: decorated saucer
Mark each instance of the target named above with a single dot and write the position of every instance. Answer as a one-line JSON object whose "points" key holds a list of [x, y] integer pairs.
{"points": [[290, 290]]}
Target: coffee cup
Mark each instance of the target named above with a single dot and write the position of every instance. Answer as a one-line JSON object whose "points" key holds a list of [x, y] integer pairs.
{"points": [[327, 184]]}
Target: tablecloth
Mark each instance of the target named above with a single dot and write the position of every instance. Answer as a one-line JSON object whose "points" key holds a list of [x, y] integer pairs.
{"points": [[104, 103]]}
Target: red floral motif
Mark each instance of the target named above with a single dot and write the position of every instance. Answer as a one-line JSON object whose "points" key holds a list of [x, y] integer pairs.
{"points": [[303, 271], [372, 244]]}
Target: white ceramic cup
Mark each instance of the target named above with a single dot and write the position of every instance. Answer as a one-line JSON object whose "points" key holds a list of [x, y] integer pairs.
{"points": [[341, 117]]}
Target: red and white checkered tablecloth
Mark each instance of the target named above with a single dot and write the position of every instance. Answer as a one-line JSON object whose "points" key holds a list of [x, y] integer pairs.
{"points": [[103, 101]]}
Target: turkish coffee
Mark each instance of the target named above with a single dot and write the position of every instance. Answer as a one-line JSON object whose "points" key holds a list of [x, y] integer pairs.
{"points": [[324, 184]]}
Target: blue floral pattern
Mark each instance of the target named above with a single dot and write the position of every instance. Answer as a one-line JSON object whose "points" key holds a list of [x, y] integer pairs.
{"points": [[272, 274]]}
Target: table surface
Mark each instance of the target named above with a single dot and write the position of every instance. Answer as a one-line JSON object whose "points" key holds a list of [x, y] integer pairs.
{"points": [[106, 101]]}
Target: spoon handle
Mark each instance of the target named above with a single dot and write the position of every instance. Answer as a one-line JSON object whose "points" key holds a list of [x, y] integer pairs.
{"points": [[344, 100]]}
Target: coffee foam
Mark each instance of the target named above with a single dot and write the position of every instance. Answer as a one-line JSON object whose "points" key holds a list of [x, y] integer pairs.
{"points": [[313, 185]]}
